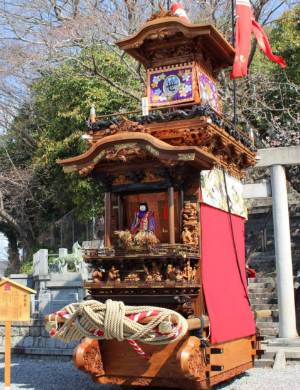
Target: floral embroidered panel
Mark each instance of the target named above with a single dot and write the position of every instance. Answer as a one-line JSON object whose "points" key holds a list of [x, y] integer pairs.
{"points": [[170, 85], [208, 86]]}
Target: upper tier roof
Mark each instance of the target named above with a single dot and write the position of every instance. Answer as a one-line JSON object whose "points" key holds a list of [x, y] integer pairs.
{"points": [[168, 41]]}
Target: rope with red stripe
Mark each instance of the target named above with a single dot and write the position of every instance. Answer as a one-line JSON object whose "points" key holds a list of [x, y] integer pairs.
{"points": [[113, 319]]}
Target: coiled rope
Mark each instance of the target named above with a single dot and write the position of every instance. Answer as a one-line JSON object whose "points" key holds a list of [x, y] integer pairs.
{"points": [[113, 319]]}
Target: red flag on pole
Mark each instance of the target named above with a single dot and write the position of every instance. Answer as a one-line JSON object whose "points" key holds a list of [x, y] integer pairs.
{"points": [[245, 23], [178, 10]]}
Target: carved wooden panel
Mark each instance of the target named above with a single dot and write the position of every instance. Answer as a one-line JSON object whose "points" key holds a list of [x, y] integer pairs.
{"points": [[190, 224], [179, 364], [209, 137], [114, 226], [87, 357]]}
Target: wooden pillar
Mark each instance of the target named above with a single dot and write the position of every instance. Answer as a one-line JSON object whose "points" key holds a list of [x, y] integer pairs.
{"points": [[200, 303], [7, 355], [120, 212], [171, 215], [107, 219], [181, 208]]}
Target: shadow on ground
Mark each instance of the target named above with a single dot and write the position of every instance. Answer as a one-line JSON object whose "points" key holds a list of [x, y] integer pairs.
{"points": [[29, 374]]}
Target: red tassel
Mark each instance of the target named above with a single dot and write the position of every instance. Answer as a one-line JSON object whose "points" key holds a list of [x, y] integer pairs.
{"points": [[178, 10], [264, 44], [245, 24], [166, 212]]}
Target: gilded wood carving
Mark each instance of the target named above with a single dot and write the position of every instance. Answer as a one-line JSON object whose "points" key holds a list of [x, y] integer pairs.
{"points": [[190, 224], [126, 125], [85, 171]]}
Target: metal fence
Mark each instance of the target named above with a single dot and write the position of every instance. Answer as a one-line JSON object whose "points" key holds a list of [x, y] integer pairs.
{"points": [[67, 230]]}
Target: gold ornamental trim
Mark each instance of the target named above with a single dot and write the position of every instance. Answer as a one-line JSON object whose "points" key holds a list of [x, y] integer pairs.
{"points": [[152, 150], [126, 146], [186, 156], [70, 168], [99, 156]]}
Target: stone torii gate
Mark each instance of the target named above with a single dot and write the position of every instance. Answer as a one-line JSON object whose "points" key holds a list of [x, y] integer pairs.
{"points": [[276, 160]]}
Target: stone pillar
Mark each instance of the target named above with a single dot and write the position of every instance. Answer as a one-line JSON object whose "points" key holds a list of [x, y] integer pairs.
{"points": [[61, 252], [43, 261], [286, 299], [36, 265], [32, 304], [82, 264]]}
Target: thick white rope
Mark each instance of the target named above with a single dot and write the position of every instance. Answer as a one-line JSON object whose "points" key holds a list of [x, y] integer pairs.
{"points": [[87, 319]]}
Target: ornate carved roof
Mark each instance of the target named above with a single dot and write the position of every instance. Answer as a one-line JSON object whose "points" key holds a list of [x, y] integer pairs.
{"points": [[140, 123], [200, 127], [122, 152], [168, 41]]}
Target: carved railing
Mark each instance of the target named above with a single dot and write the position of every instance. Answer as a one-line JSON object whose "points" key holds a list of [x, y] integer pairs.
{"points": [[160, 250], [145, 285]]}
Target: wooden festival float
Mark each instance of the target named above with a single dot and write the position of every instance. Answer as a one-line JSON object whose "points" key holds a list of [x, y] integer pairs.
{"points": [[164, 174]]}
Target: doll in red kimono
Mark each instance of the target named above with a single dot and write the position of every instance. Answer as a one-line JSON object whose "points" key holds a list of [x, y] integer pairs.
{"points": [[144, 220]]}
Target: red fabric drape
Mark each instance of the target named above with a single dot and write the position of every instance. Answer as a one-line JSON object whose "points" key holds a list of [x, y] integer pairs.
{"points": [[228, 309], [264, 44], [245, 24]]}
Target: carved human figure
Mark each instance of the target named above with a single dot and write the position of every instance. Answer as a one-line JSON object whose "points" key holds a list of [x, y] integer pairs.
{"points": [[132, 277], [194, 273], [144, 220], [179, 274], [187, 272], [170, 273], [187, 236], [154, 275], [114, 275], [97, 276]]}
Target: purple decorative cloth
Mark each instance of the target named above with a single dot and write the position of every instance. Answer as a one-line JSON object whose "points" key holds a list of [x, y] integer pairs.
{"points": [[147, 223], [171, 86], [207, 85]]}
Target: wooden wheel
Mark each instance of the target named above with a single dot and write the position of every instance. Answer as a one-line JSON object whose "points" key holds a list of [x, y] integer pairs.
{"points": [[150, 388]]}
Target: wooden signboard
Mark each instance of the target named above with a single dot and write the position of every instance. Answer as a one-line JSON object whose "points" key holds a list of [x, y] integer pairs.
{"points": [[14, 306]]}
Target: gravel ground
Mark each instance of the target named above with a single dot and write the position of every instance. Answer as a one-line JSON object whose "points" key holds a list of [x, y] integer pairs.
{"points": [[31, 374]]}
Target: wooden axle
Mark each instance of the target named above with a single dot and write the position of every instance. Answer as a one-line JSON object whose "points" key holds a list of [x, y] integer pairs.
{"points": [[193, 323]]}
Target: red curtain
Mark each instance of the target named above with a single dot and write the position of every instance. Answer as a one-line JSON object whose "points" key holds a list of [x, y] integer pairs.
{"points": [[227, 305]]}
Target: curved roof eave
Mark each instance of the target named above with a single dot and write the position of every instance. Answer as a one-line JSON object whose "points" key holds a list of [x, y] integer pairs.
{"points": [[155, 147]]}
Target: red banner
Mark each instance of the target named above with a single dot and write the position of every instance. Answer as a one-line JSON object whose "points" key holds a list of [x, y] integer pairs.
{"points": [[227, 305], [245, 23]]}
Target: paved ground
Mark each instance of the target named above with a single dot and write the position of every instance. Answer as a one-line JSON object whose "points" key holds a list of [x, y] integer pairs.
{"points": [[31, 374]]}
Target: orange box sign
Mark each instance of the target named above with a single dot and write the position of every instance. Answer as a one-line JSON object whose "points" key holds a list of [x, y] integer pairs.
{"points": [[14, 301]]}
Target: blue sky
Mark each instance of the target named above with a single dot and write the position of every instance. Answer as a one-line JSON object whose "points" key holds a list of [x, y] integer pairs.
{"points": [[3, 247]]}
